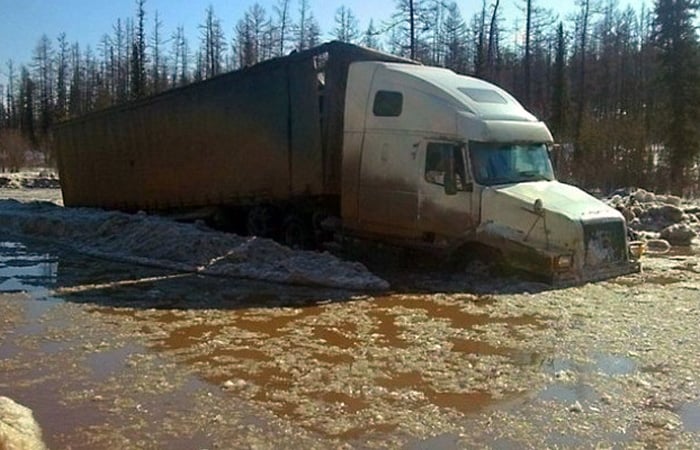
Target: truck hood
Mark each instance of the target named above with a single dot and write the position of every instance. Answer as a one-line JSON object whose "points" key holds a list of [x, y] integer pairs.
{"points": [[559, 198], [508, 212], [570, 225]]}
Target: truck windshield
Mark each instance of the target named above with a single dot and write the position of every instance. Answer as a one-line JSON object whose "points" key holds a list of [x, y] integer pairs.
{"points": [[498, 163]]}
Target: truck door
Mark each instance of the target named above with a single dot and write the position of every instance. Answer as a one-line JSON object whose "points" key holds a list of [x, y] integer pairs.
{"points": [[388, 195], [446, 191]]}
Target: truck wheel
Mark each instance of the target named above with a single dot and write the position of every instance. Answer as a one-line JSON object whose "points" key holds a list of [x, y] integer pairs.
{"points": [[261, 222], [492, 258], [297, 233]]}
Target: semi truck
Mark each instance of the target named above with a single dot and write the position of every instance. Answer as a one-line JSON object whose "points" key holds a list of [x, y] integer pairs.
{"points": [[341, 140]]}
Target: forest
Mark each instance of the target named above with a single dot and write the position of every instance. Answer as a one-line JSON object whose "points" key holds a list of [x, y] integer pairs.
{"points": [[619, 86]]}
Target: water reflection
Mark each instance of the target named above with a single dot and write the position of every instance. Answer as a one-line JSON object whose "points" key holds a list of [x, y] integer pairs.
{"points": [[24, 271], [690, 416]]}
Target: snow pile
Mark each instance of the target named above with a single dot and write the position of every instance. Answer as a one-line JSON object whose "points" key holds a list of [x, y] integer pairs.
{"points": [[656, 216], [30, 179], [155, 241], [18, 428]]}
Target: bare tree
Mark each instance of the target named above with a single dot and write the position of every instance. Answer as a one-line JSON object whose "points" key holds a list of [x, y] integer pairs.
{"points": [[61, 109], [107, 68], [282, 25], [251, 34], [560, 91], [75, 94], [179, 74], [26, 105], [12, 117], [120, 61], [4, 119], [371, 36], [454, 40], [138, 53], [492, 51], [43, 70], [407, 26], [346, 25], [307, 30], [158, 70], [479, 26], [213, 44], [533, 82], [583, 20]]}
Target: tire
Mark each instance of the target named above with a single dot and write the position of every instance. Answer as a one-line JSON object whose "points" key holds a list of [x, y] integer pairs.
{"points": [[488, 256]]}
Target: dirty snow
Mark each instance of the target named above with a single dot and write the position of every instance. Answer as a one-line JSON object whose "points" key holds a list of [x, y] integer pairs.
{"points": [[18, 428], [30, 179], [659, 217], [156, 241]]}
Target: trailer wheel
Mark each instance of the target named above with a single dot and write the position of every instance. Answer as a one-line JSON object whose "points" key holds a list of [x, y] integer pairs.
{"points": [[297, 233], [261, 222]]}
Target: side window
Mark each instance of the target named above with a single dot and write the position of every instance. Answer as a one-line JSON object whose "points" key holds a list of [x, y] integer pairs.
{"points": [[437, 163], [387, 104]]}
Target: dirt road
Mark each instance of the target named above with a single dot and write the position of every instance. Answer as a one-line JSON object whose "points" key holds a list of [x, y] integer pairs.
{"points": [[110, 355]]}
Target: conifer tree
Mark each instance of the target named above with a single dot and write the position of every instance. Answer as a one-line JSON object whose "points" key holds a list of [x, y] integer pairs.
{"points": [[679, 78]]}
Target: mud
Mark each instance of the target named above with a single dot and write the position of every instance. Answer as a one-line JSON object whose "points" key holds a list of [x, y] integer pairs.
{"points": [[110, 355]]}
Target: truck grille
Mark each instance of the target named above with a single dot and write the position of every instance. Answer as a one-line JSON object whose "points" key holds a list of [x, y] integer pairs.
{"points": [[605, 243]]}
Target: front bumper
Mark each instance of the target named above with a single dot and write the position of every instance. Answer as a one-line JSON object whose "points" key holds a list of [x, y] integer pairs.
{"points": [[544, 265], [595, 274]]}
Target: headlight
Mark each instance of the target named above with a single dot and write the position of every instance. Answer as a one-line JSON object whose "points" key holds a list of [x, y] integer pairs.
{"points": [[564, 262]]}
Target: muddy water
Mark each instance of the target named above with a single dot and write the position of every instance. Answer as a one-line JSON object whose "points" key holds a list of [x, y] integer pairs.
{"points": [[110, 355], [294, 351], [357, 358]]}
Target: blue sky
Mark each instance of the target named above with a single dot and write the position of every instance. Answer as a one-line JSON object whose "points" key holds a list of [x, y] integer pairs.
{"points": [[22, 22]]}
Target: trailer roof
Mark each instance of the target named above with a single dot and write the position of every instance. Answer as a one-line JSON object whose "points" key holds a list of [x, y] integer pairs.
{"points": [[342, 50]]}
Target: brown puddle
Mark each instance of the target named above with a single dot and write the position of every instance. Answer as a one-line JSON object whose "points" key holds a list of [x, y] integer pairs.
{"points": [[189, 335], [453, 312], [334, 359], [348, 403], [60, 381], [335, 337], [265, 354], [403, 380], [387, 331], [220, 356], [272, 325], [466, 403]]}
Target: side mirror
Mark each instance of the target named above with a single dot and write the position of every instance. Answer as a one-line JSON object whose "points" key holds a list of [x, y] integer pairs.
{"points": [[450, 183], [554, 152]]}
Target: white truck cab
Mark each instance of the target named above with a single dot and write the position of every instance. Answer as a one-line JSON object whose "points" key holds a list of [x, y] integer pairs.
{"points": [[432, 158]]}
